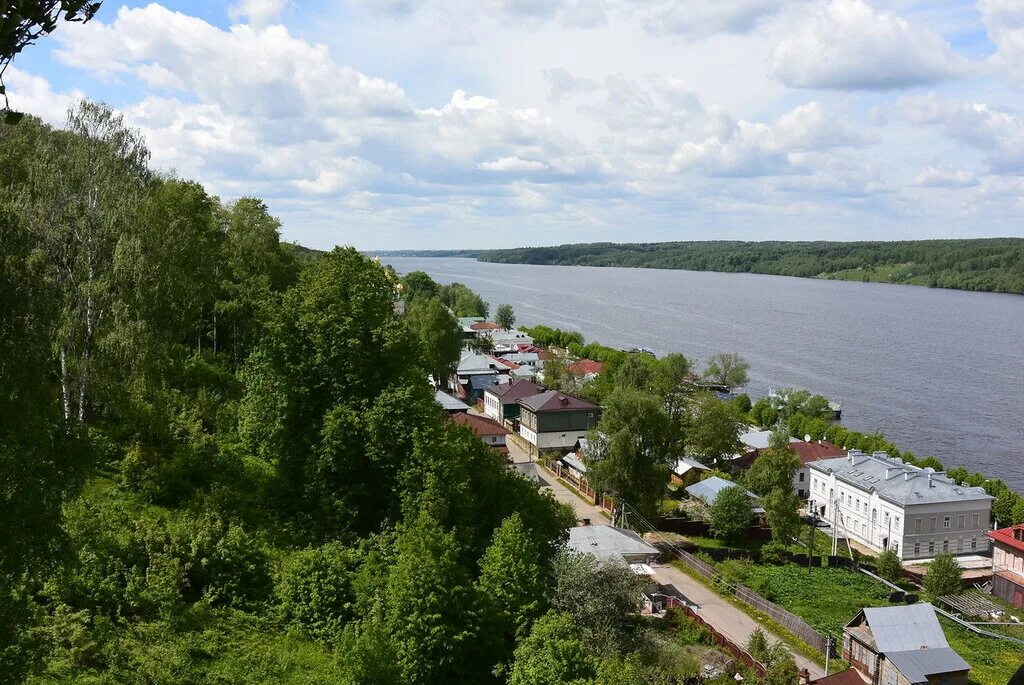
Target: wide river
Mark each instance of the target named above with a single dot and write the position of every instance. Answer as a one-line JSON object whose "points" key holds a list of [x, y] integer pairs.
{"points": [[938, 372]]}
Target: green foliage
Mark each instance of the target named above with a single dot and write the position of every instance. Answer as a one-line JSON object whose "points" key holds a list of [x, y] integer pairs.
{"points": [[314, 590], [889, 565], [730, 516], [553, 654], [462, 301], [505, 316], [604, 601], [418, 285], [781, 507], [773, 469], [990, 264], [728, 369], [783, 671], [545, 336], [713, 429], [943, 576], [633, 446], [440, 338]]}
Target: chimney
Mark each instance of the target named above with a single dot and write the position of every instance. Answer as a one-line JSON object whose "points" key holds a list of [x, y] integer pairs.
{"points": [[930, 484]]}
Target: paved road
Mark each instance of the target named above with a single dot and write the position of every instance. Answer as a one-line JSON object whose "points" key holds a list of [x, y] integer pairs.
{"points": [[725, 617], [583, 509]]}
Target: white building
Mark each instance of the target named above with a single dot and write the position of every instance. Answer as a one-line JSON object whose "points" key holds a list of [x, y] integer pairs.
{"points": [[880, 502]]}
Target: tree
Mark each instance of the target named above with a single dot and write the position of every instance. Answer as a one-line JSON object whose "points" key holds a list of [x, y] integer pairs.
{"points": [[1018, 511], [604, 601], [782, 671], [463, 301], [713, 429], [439, 335], [314, 590], [416, 285], [553, 654], [775, 467], [889, 565], [730, 515], [781, 507], [943, 576], [23, 23], [505, 317], [510, 590], [633, 447], [728, 369]]}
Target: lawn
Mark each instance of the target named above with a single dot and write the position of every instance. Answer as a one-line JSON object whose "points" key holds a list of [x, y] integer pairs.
{"points": [[827, 599], [992, 661]]}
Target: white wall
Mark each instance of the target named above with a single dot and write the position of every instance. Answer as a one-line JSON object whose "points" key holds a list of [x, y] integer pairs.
{"points": [[550, 441]]}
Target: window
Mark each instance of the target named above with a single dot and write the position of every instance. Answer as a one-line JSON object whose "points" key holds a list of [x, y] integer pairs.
{"points": [[931, 547], [931, 523], [961, 520], [945, 545], [974, 543], [896, 547], [917, 548], [974, 521], [897, 522], [801, 476], [917, 525], [945, 522]]}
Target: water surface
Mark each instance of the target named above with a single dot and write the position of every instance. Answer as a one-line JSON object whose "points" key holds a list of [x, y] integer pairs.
{"points": [[937, 371]]}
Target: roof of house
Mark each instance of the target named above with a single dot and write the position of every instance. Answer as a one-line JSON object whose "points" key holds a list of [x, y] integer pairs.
{"points": [[848, 677], [483, 326], [813, 451], [502, 363], [759, 439], [608, 543], [510, 392], [481, 425], [1009, 536], [475, 363], [895, 481], [511, 336], [449, 403], [521, 357], [552, 400], [482, 381], [685, 464], [574, 461], [709, 488], [911, 638], [586, 366], [525, 372], [467, 321]]}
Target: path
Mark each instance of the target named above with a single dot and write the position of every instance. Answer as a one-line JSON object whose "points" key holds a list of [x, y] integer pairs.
{"points": [[724, 616], [583, 509]]}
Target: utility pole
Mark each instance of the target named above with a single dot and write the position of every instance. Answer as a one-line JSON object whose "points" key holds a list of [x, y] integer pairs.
{"points": [[810, 544], [828, 651]]}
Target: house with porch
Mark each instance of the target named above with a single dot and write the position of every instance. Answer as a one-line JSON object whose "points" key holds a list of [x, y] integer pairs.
{"points": [[881, 503], [501, 402], [902, 645], [553, 420], [1008, 564]]}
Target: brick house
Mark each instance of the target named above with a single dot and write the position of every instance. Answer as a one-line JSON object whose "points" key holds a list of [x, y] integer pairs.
{"points": [[1008, 564]]}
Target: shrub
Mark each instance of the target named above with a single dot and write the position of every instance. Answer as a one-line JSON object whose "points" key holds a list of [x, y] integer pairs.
{"points": [[889, 566], [736, 570], [729, 516], [944, 576], [314, 590], [772, 552]]}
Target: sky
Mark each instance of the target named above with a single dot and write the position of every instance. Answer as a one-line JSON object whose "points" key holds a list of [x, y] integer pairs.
{"points": [[429, 124]]}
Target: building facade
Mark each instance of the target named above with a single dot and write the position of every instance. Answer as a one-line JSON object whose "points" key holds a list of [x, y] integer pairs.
{"points": [[553, 420], [1008, 564], [882, 503], [501, 402]]}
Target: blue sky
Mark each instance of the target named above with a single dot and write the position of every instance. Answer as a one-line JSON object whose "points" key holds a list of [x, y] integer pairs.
{"points": [[487, 123]]}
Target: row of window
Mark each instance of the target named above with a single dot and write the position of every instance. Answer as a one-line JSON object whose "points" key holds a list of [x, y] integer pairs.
{"points": [[961, 546], [961, 520]]}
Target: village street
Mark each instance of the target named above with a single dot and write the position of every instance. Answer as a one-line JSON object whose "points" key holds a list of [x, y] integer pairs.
{"points": [[712, 607]]}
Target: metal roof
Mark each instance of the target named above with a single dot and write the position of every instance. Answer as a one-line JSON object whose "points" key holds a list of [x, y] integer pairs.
{"points": [[608, 543], [552, 400], [685, 464], [911, 638], [482, 381], [709, 488], [918, 664], [449, 403], [571, 460], [895, 481]]}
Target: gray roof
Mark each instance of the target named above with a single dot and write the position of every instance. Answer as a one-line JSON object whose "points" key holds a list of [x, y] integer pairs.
{"points": [[483, 381], [608, 543], [709, 488], [895, 481], [467, 321], [685, 464], [758, 439], [449, 403], [912, 639], [520, 357], [571, 460], [525, 372], [476, 363]]}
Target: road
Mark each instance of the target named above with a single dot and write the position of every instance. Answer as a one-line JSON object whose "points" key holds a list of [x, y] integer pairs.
{"points": [[712, 607]]}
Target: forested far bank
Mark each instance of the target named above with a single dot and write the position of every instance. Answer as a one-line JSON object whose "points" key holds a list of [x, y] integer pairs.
{"points": [[983, 264]]}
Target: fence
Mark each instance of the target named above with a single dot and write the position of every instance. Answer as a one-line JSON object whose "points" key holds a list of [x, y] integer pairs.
{"points": [[582, 485], [792, 623], [718, 638]]}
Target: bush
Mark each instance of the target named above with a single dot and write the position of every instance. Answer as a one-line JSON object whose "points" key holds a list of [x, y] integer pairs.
{"points": [[735, 570], [889, 566], [944, 576], [772, 553], [314, 590], [729, 516]]}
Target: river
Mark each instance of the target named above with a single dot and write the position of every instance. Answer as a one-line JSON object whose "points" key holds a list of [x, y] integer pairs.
{"points": [[938, 372]]}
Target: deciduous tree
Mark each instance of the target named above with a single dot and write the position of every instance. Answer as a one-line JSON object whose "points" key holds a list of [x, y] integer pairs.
{"points": [[553, 654], [728, 369], [505, 316], [440, 338], [730, 515], [943, 576], [713, 429]]}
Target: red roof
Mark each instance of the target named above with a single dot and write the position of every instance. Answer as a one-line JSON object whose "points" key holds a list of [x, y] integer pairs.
{"points": [[847, 677], [585, 366], [1012, 536], [813, 451], [504, 362], [527, 347], [552, 400], [481, 425], [484, 326]]}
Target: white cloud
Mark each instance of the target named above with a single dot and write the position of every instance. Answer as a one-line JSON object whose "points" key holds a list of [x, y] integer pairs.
{"points": [[28, 93], [702, 18], [1004, 20], [256, 13], [940, 176], [512, 164], [1000, 134], [847, 45], [561, 84]]}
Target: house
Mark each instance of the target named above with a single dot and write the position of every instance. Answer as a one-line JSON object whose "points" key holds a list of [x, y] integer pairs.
{"points": [[881, 503], [501, 402], [451, 405], [611, 544], [902, 645], [585, 369], [522, 358], [466, 323], [490, 431], [472, 365], [509, 341], [553, 420], [709, 489], [806, 451], [688, 471], [1008, 564], [483, 328]]}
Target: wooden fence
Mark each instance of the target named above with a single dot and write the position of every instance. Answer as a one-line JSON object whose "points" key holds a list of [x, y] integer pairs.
{"points": [[719, 639]]}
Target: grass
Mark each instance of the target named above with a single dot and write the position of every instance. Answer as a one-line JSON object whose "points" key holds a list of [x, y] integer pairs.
{"points": [[993, 662]]}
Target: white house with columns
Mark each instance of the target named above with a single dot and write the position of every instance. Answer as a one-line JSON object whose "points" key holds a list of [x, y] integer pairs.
{"points": [[881, 503]]}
